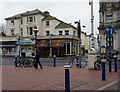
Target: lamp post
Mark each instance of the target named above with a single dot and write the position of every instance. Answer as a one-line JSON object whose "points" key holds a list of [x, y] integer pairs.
{"points": [[79, 35], [18, 37], [50, 46], [35, 33]]}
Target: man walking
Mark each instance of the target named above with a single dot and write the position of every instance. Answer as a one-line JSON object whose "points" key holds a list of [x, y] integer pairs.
{"points": [[37, 59]]}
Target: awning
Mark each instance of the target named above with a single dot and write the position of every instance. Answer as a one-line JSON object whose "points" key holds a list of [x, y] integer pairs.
{"points": [[42, 45], [57, 45], [10, 46]]}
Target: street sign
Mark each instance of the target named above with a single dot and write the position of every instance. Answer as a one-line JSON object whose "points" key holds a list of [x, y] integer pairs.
{"points": [[109, 31]]}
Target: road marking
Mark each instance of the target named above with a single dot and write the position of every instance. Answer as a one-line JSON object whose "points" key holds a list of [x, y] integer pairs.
{"points": [[108, 85]]}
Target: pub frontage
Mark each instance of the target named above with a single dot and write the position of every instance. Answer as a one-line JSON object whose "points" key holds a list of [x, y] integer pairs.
{"points": [[60, 46]]}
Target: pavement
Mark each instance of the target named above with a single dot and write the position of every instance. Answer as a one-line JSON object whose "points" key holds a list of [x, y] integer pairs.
{"points": [[53, 79]]}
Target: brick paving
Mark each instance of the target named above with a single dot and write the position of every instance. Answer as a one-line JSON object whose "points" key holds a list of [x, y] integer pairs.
{"points": [[53, 78]]}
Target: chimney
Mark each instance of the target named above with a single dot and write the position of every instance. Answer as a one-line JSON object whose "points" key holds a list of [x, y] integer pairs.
{"points": [[46, 13]]}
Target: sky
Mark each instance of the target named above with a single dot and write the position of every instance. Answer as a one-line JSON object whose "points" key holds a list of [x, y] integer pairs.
{"points": [[68, 11]]}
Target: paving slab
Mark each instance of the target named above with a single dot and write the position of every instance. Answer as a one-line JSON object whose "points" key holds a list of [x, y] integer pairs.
{"points": [[53, 78]]}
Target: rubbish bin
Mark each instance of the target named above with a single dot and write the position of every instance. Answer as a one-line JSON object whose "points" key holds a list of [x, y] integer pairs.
{"points": [[92, 57]]}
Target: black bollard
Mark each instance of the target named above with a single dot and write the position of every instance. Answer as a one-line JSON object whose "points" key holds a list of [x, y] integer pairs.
{"points": [[54, 61], [103, 70], [115, 63], [67, 78]]}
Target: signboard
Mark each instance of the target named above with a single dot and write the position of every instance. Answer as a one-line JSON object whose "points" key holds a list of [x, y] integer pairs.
{"points": [[103, 50], [26, 42], [109, 31]]}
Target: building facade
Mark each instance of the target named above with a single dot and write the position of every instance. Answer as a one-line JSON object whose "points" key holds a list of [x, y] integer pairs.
{"points": [[55, 37], [109, 15]]}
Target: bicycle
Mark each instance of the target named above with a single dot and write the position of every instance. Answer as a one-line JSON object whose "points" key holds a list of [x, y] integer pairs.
{"points": [[76, 62], [23, 62], [98, 63]]}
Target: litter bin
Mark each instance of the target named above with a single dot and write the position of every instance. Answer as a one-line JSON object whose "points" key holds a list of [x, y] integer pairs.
{"points": [[92, 57]]}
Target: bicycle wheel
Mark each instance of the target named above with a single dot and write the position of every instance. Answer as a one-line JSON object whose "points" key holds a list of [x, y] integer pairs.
{"points": [[25, 63], [30, 63], [17, 63], [83, 64], [97, 65]]}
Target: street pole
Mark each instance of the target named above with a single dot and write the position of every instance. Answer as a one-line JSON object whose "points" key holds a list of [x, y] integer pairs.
{"points": [[79, 29], [18, 46], [50, 47]]}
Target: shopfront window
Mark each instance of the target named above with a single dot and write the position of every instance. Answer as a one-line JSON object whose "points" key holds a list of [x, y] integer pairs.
{"points": [[68, 48]]}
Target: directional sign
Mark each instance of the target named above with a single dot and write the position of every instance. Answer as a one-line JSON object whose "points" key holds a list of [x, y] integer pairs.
{"points": [[109, 31]]}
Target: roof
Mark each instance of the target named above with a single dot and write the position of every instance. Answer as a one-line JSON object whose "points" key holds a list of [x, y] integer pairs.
{"points": [[36, 11], [48, 18], [63, 25]]}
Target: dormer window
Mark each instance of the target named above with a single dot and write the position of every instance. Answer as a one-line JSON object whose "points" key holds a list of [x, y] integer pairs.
{"points": [[60, 32], [47, 23], [12, 22], [12, 32]]}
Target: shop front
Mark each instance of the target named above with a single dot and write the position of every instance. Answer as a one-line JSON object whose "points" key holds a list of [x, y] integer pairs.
{"points": [[27, 47], [60, 47], [8, 48]]}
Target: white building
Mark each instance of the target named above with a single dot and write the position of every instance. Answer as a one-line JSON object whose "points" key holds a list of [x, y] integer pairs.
{"points": [[53, 33], [109, 16]]}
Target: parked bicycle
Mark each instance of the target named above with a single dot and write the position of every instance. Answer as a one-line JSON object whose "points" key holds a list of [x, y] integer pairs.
{"points": [[98, 63], [76, 62], [23, 62]]}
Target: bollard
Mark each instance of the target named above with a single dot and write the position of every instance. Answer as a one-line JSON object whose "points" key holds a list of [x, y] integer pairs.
{"points": [[34, 61], [54, 61], [115, 63], [103, 70], [77, 61], [110, 65], [67, 78], [119, 63], [16, 61]]}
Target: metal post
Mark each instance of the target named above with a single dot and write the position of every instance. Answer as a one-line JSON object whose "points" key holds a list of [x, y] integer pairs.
{"points": [[103, 70], [54, 61], [115, 63], [110, 60], [67, 78], [50, 47], [77, 61], [110, 67]]}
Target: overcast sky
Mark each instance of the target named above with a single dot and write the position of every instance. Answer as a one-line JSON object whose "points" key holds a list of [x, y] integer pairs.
{"points": [[66, 10]]}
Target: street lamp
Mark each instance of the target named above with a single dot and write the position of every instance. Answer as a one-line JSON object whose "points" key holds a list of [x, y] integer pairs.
{"points": [[35, 33], [18, 37], [79, 35]]}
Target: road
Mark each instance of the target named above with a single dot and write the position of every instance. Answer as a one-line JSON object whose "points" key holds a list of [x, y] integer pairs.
{"points": [[44, 62]]}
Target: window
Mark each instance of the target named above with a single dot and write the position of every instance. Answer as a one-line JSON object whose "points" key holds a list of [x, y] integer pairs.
{"points": [[68, 48], [66, 32], [34, 18], [47, 33], [21, 21], [21, 32], [108, 20], [31, 19], [31, 30], [47, 23], [109, 42], [12, 22], [12, 32], [27, 19], [74, 32], [60, 32]]}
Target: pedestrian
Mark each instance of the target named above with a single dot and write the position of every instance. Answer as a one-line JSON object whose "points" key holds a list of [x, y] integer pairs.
{"points": [[37, 59]]}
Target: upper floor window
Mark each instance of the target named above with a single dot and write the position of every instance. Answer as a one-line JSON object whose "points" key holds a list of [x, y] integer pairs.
{"points": [[31, 19], [12, 32], [31, 30], [47, 33], [34, 18], [21, 21], [21, 32], [74, 32], [60, 32], [66, 32], [108, 20], [12, 22], [47, 23]]}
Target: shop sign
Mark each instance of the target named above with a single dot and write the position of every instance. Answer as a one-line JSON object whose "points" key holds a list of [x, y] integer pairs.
{"points": [[26, 42]]}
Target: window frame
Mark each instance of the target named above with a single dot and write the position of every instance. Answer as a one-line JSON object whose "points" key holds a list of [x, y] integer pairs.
{"points": [[61, 32], [48, 34], [67, 33], [47, 23]]}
